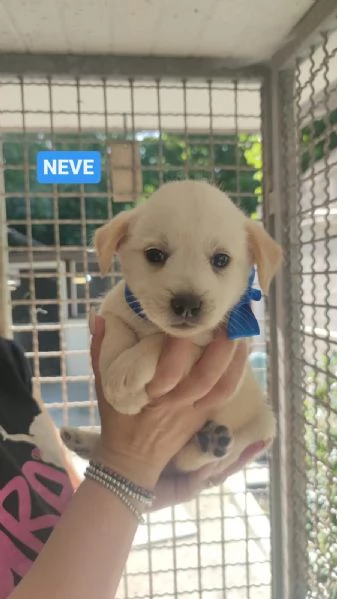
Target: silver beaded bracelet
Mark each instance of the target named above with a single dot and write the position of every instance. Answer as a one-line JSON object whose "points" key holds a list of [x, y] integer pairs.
{"points": [[123, 488], [142, 495]]}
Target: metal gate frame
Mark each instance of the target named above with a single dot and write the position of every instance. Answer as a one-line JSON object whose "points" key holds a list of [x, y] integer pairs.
{"points": [[289, 566]]}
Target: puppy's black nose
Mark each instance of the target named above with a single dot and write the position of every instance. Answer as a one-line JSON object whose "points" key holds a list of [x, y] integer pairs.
{"points": [[187, 305]]}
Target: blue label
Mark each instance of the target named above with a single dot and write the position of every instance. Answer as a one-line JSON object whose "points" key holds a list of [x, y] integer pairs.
{"points": [[68, 167]]}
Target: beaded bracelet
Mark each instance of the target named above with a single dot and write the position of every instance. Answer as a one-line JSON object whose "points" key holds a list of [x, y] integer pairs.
{"points": [[121, 485], [118, 493], [134, 491], [123, 488]]}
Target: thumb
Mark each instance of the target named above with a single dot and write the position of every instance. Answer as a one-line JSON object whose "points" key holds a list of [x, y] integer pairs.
{"points": [[216, 474], [97, 329]]}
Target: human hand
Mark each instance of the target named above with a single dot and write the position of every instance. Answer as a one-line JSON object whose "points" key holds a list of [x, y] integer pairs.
{"points": [[175, 488], [141, 445]]}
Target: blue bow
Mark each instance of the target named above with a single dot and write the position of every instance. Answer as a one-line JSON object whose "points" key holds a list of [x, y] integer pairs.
{"points": [[241, 321]]}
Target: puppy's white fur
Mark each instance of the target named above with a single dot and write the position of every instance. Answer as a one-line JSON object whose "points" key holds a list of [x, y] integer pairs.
{"points": [[190, 221]]}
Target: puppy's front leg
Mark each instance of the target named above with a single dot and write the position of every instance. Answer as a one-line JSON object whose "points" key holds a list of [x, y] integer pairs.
{"points": [[82, 442], [127, 365]]}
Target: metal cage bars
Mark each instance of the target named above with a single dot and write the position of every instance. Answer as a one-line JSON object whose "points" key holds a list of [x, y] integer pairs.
{"points": [[300, 111], [222, 540]]}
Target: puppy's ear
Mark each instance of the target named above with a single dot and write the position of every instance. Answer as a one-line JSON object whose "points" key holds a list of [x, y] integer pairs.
{"points": [[267, 254], [108, 238]]}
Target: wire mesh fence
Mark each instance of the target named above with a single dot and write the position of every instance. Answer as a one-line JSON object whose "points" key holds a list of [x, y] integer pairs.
{"points": [[309, 142], [148, 132]]}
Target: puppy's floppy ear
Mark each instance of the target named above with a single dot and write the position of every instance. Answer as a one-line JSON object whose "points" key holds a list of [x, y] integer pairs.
{"points": [[267, 254], [108, 238]]}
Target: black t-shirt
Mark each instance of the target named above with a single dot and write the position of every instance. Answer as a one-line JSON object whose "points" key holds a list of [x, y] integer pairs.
{"points": [[34, 487]]}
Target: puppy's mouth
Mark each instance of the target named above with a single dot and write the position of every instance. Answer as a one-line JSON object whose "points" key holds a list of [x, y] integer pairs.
{"points": [[184, 325]]}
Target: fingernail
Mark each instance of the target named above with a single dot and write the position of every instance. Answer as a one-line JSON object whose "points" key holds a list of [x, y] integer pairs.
{"points": [[92, 319]]}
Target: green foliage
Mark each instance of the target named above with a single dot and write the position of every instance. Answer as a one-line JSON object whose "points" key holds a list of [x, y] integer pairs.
{"points": [[318, 139], [320, 412], [20, 179], [170, 157], [234, 162], [252, 148]]}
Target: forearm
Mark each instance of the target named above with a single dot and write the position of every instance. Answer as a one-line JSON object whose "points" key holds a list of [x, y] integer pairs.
{"points": [[86, 554], [69, 465]]}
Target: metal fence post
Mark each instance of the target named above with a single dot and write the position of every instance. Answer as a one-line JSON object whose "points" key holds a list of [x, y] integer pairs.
{"points": [[280, 198], [293, 401], [271, 162], [5, 312]]}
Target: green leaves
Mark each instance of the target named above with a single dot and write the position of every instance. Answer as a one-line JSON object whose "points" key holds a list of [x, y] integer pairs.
{"points": [[234, 163], [317, 140], [320, 418]]}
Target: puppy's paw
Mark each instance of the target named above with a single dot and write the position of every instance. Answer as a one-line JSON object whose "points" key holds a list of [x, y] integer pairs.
{"points": [[214, 439], [190, 458], [124, 393], [125, 378], [130, 403], [80, 442], [124, 386], [3, 433]]}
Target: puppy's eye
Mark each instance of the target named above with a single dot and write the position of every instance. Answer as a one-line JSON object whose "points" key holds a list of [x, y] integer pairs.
{"points": [[220, 261], [155, 256]]}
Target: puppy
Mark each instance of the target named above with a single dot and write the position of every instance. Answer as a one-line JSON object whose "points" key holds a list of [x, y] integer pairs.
{"points": [[187, 257]]}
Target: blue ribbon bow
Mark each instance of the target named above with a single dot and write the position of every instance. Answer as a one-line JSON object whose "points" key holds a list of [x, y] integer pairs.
{"points": [[241, 321]]}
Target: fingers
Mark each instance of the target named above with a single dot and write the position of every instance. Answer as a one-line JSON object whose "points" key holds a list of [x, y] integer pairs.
{"points": [[228, 383], [171, 366], [218, 475], [171, 490], [183, 487], [206, 373], [247, 456], [177, 488]]}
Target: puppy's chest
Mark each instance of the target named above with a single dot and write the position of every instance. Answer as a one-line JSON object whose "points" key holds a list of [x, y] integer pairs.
{"points": [[199, 341], [144, 329]]}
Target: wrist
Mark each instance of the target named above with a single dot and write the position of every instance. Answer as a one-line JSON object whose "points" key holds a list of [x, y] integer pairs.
{"points": [[135, 498], [135, 468]]}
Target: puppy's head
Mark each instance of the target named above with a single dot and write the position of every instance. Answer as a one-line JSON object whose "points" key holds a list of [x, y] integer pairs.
{"points": [[186, 255]]}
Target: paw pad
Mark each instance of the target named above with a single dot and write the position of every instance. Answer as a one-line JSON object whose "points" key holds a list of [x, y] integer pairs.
{"points": [[214, 439], [71, 437]]}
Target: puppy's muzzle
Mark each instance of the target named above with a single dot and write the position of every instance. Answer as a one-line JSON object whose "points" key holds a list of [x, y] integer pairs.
{"points": [[187, 306]]}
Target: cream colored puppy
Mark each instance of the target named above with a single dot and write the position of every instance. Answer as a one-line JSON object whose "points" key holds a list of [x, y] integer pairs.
{"points": [[186, 257]]}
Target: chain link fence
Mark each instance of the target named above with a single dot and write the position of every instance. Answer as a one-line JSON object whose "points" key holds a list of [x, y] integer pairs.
{"points": [[308, 215], [148, 132]]}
